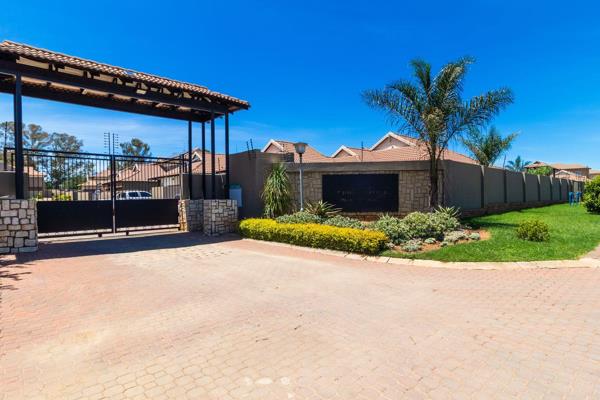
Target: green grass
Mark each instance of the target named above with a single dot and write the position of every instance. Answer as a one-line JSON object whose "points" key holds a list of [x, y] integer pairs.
{"points": [[573, 233]]}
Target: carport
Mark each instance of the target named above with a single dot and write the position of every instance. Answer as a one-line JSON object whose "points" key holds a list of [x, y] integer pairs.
{"points": [[34, 72]]}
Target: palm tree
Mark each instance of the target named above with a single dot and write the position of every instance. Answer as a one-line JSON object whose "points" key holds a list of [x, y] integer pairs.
{"points": [[432, 109], [486, 148], [518, 164]]}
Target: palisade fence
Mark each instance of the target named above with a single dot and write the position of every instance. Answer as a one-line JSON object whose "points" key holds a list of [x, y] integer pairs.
{"points": [[478, 190]]}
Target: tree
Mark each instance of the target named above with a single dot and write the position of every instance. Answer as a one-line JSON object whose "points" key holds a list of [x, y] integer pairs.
{"points": [[34, 137], [135, 147], [518, 164], [62, 172], [276, 193], [544, 170], [487, 147], [432, 109]]}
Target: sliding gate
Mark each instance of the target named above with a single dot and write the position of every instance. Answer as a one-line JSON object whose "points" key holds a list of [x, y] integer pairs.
{"points": [[83, 193]]}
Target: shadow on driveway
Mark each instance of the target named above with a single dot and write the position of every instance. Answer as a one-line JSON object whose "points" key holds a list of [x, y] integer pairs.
{"points": [[79, 247]]}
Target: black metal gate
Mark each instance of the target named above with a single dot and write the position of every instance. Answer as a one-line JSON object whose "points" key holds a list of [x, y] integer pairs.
{"points": [[84, 193]]}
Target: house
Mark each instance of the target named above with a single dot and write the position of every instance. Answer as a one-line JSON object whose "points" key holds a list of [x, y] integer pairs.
{"points": [[562, 170], [390, 147], [594, 173], [287, 147]]}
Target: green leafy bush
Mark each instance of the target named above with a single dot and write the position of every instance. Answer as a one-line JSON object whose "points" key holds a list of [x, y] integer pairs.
{"points": [[344, 222], [276, 193], [430, 241], [474, 236], [533, 230], [322, 209], [315, 235], [453, 212], [300, 217], [591, 195], [455, 236], [425, 225], [62, 197], [545, 170], [393, 228]]}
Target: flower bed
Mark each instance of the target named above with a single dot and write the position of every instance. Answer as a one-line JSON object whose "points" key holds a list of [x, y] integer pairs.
{"points": [[315, 235]]}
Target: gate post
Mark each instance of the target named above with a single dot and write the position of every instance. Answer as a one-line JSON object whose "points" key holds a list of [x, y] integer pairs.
{"points": [[113, 189]]}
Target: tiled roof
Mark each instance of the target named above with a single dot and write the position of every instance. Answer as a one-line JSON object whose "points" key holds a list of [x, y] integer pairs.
{"points": [[562, 166], [43, 55], [284, 146], [414, 152]]}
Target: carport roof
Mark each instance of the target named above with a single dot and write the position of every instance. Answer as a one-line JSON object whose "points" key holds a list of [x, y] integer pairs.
{"points": [[57, 76]]}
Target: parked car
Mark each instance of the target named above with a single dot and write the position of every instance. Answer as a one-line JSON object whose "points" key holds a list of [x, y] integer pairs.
{"points": [[134, 195]]}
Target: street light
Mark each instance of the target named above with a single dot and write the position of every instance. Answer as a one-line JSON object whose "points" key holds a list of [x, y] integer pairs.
{"points": [[300, 148]]}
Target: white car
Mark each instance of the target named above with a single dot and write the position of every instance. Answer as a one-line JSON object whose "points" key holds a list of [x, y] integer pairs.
{"points": [[133, 195]]}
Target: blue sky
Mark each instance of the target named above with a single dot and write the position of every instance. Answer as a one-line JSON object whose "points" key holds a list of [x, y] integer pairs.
{"points": [[303, 65]]}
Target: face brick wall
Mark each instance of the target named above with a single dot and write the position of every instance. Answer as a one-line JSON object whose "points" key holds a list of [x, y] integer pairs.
{"points": [[413, 190]]}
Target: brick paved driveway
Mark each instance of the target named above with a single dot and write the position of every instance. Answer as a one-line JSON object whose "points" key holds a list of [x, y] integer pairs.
{"points": [[171, 317]]}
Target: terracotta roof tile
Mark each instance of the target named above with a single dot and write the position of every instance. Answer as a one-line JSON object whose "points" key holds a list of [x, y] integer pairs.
{"points": [[44, 55]]}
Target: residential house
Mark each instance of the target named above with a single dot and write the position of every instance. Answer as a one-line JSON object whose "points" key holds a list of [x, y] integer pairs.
{"points": [[577, 172]]}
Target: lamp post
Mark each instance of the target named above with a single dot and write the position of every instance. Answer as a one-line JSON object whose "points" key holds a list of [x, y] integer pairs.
{"points": [[300, 148]]}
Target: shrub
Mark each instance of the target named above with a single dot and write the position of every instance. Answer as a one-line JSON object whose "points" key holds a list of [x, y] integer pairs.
{"points": [[300, 217], [344, 222], [314, 235], [322, 209], [444, 221], [62, 197], [393, 228], [430, 241], [455, 236], [474, 236], [412, 246], [591, 195], [276, 193], [453, 212], [533, 230]]}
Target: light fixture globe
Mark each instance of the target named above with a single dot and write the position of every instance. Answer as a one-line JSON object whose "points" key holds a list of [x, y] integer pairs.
{"points": [[300, 147]]}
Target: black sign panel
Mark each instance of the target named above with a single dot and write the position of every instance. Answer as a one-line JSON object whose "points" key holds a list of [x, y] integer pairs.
{"points": [[362, 192]]}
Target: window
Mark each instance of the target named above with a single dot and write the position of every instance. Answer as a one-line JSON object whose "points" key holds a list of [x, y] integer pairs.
{"points": [[145, 194], [134, 194]]}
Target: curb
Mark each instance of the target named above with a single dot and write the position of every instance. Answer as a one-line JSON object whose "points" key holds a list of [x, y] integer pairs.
{"points": [[584, 262]]}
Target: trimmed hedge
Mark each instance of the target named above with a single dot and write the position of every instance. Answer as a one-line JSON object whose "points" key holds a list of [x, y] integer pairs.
{"points": [[315, 235]]}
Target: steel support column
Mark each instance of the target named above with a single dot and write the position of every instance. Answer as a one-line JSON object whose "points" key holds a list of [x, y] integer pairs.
{"points": [[204, 160], [227, 155], [213, 176], [19, 162], [189, 161]]}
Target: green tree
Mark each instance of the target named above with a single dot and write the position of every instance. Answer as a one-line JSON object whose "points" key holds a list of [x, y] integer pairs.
{"points": [[135, 147], [432, 108], [518, 164], [487, 147], [591, 195], [34, 137], [62, 172], [276, 193], [545, 170]]}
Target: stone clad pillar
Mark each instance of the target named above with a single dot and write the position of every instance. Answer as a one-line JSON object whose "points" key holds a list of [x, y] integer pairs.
{"points": [[18, 226], [220, 216], [191, 215]]}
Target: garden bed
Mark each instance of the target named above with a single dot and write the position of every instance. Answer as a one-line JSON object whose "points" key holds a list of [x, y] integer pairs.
{"points": [[427, 247], [573, 233]]}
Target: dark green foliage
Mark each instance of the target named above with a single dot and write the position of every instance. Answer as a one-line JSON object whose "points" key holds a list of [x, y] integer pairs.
{"points": [[276, 193], [591, 195], [321, 209], [487, 147], [431, 108]]}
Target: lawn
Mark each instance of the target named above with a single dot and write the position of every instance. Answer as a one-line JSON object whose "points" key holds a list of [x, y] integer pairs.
{"points": [[573, 233]]}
